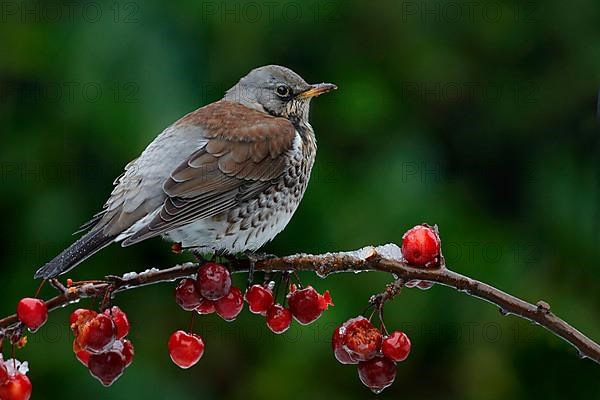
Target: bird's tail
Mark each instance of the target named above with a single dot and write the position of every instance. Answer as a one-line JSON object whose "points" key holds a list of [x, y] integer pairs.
{"points": [[86, 246]]}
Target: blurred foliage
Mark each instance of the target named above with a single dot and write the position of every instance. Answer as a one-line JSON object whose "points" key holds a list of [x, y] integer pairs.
{"points": [[477, 116]]}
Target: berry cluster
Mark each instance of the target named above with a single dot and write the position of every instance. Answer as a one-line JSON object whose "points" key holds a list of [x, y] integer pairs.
{"points": [[357, 341], [14, 383], [304, 305], [212, 292], [100, 342]]}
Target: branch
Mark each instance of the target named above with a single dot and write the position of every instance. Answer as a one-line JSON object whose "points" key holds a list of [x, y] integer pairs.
{"points": [[386, 258]]}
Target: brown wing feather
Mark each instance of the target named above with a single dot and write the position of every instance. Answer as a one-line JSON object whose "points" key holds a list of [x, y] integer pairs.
{"points": [[245, 151]]}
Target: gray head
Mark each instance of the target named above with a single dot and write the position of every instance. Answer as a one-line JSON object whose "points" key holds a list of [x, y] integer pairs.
{"points": [[278, 91]]}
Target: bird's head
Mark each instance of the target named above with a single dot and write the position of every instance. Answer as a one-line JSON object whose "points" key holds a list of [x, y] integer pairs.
{"points": [[278, 91]]}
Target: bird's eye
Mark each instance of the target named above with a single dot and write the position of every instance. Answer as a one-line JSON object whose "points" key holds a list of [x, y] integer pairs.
{"points": [[283, 91]]}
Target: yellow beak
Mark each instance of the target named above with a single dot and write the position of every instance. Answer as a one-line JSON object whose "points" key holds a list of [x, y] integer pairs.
{"points": [[317, 90]]}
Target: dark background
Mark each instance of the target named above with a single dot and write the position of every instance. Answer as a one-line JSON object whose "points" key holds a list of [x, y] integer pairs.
{"points": [[477, 116]]}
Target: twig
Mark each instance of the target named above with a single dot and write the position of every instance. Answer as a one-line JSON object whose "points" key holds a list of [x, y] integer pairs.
{"points": [[383, 258]]}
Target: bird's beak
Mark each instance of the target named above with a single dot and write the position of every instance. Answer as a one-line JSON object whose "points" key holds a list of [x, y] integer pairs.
{"points": [[317, 90]]}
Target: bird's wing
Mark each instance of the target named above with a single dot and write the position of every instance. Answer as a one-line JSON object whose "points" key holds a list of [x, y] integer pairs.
{"points": [[244, 151]]}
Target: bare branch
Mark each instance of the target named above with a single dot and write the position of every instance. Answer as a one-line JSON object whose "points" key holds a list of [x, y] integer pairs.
{"points": [[386, 258]]}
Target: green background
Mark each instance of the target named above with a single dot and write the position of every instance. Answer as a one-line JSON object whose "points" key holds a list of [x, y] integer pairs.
{"points": [[477, 116]]}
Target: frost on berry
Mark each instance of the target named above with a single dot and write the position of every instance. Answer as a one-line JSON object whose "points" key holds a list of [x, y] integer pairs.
{"points": [[396, 346], [259, 299], [377, 373], [214, 281], [278, 318], [421, 246], [337, 344], [187, 295], [185, 349], [231, 305], [32, 312], [307, 304], [361, 339]]}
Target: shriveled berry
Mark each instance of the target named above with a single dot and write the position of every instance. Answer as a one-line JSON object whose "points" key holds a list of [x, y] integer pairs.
{"points": [[32, 312], [98, 334], [79, 318], [107, 367], [187, 295], [214, 281], [278, 318], [259, 299], [396, 346], [205, 307], [230, 306], [377, 373], [185, 349], [361, 339], [82, 355], [17, 387], [421, 246], [337, 344], [307, 304], [120, 320]]}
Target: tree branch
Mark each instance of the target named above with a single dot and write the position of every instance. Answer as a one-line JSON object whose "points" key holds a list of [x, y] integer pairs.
{"points": [[386, 258]]}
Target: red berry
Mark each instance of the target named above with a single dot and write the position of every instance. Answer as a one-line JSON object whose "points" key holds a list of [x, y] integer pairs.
{"points": [[128, 351], [230, 306], [79, 318], [186, 294], [214, 281], [33, 313], [82, 355], [279, 318], [98, 334], [120, 320], [17, 387], [361, 339], [185, 349], [307, 304], [107, 367], [337, 343], [259, 299], [377, 373], [3, 372], [421, 246], [205, 307], [396, 346]]}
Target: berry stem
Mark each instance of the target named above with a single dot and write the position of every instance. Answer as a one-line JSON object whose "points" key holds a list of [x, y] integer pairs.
{"points": [[37, 292]]}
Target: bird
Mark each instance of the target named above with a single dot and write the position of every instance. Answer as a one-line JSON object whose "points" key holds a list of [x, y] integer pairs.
{"points": [[223, 179]]}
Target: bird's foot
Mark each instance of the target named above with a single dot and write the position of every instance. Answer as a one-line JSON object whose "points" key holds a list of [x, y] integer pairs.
{"points": [[254, 258]]}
